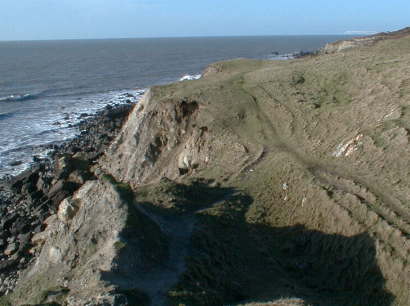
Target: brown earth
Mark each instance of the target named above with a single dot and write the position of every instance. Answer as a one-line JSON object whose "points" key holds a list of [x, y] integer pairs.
{"points": [[263, 183]]}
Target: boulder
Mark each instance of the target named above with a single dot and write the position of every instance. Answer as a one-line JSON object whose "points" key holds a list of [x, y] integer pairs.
{"points": [[67, 210]]}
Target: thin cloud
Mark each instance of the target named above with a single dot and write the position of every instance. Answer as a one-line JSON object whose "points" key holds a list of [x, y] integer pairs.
{"points": [[359, 32]]}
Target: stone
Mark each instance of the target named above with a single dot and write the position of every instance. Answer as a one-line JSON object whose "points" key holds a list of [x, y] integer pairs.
{"points": [[24, 240], [19, 225], [76, 177], [67, 210], [40, 184], [11, 248], [39, 238], [55, 255], [184, 160], [16, 163], [5, 264], [56, 188]]}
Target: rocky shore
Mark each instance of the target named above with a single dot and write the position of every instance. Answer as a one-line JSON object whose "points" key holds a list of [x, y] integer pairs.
{"points": [[29, 198], [262, 183]]}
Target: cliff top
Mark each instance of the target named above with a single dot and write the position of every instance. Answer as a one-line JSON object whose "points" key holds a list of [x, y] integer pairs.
{"points": [[262, 180]]}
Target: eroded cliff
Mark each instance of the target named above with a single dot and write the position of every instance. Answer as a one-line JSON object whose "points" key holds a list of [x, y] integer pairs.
{"points": [[262, 180]]}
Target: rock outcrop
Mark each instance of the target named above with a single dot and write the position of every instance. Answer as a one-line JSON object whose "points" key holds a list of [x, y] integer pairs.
{"points": [[83, 246], [260, 181]]}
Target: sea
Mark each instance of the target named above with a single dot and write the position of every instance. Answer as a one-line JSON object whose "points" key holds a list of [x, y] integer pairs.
{"points": [[46, 87]]}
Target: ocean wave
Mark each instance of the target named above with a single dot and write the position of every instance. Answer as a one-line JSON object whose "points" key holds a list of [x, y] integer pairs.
{"points": [[6, 115], [17, 98], [190, 77], [53, 125]]}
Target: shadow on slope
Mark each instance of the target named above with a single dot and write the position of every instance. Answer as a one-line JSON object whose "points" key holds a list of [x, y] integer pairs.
{"points": [[233, 261], [190, 244], [154, 244]]}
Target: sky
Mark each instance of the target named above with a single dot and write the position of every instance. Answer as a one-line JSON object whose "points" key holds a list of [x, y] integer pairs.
{"points": [[78, 19]]}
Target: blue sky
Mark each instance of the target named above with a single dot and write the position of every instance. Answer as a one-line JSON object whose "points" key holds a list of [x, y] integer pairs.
{"points": [[73, 19]]}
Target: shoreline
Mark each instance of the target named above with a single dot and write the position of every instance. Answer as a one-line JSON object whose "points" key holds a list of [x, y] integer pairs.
{"points": [[17, 166], [29, 198], [17, 155], [213, 189]]}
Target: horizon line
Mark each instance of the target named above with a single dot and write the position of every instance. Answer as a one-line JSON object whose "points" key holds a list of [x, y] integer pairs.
{"points": [[166, 37]]}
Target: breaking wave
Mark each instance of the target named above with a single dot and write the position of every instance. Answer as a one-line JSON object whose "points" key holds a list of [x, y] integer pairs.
{"points": [[16, 98], [190, 77]]}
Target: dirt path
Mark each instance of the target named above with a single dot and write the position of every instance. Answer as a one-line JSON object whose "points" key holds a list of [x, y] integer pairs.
{"points": [[179, 230]]}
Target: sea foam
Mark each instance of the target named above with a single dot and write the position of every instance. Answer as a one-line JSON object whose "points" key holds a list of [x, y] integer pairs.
{"points": [[16, 98], [190, 77]]}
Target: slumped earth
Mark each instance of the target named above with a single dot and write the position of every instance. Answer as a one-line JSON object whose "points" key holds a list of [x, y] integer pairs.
{"points": [[263, 183]]}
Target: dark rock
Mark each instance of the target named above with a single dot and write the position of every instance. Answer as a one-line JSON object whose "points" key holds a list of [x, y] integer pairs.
{"points": [[61, 190], [27, 199], [6, 264], [56, 188], [41, 185], [77, 177], [11, 248], [9, 220], [36, 159], [19, 226], [16, 163], [24, 242]]}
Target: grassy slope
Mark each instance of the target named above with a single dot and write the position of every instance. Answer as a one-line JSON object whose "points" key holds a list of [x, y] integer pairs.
{"points": [[274, 213], [351, 212]]}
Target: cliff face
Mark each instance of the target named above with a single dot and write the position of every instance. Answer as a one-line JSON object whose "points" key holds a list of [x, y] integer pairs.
{"points": [[364, 41], [262, 180], [83, 253], [159, 131]]}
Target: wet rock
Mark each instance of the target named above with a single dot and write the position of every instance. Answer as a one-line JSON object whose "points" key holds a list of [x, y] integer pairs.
{"points": [[19, 226], [11, 248], [41, 185], [16, 163], [6, 264], [36, 159], [28, 199], [24, 241]]}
